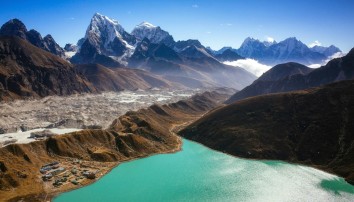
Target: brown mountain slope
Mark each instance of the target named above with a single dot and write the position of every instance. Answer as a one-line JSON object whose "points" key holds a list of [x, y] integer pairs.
{"points": [[28, 71], [298, 77], [133, 135], [107, 79], [314, 127]]}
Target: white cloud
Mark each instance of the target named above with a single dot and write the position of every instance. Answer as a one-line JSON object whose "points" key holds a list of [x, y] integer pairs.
{"points": [[250, 65], [315, 43], [195, 6], [270, 39], [229, 24], [336, 55], [208, 32], [315, 65]]}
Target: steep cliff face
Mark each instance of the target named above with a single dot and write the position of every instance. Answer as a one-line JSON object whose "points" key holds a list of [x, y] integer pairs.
{"points": [[28, 71], [313, 127], [133, 135]]}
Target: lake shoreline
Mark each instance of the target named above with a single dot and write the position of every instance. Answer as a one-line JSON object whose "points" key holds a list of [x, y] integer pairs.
{"points": [[52, 196], [225, 177]]}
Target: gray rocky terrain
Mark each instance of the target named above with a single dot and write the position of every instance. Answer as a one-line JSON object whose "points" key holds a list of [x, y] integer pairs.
{"points": [[80, 110]]}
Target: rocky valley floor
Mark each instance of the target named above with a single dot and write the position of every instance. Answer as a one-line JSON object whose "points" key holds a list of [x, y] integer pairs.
{"points": [[80, 110]]}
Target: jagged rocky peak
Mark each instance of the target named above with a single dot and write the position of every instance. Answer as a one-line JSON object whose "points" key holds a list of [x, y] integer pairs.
{"points": [[327, 51], [35, 38], [100, 23], [108, 36], [154, 33], [249, 41], [291, 40], [251, 48], [292, 44], [52, 46], [14, 27], [181, 45]]}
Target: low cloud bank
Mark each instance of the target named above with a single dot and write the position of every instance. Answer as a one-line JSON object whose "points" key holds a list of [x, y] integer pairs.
{"points": [[258, 69], [336, 55], [250, 65]]}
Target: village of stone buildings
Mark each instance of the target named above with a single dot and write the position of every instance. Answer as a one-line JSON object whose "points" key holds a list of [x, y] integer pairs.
{"points": [[70, 171]]}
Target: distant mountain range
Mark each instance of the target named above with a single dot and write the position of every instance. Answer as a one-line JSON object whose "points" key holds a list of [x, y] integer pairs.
{"points": [[270, 53], [289, 50], [293, 76], [151, 48]]}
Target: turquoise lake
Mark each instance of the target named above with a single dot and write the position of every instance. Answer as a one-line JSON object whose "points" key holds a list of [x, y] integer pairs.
{"points": [[200, 174]]}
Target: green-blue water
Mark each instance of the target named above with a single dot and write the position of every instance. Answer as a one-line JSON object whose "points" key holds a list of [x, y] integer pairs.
{"points": [[200, 174]]}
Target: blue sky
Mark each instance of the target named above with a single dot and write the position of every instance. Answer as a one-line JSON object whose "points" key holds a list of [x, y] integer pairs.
{"points": [[215, 23]]}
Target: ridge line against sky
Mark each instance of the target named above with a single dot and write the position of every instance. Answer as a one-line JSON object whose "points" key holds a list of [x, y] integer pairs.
{"points": [[214, 23]]}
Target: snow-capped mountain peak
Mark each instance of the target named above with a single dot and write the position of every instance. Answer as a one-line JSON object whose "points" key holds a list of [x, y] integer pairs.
{"points": [[154, 33], [251, 47], [102, 27], [108, 36]]}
